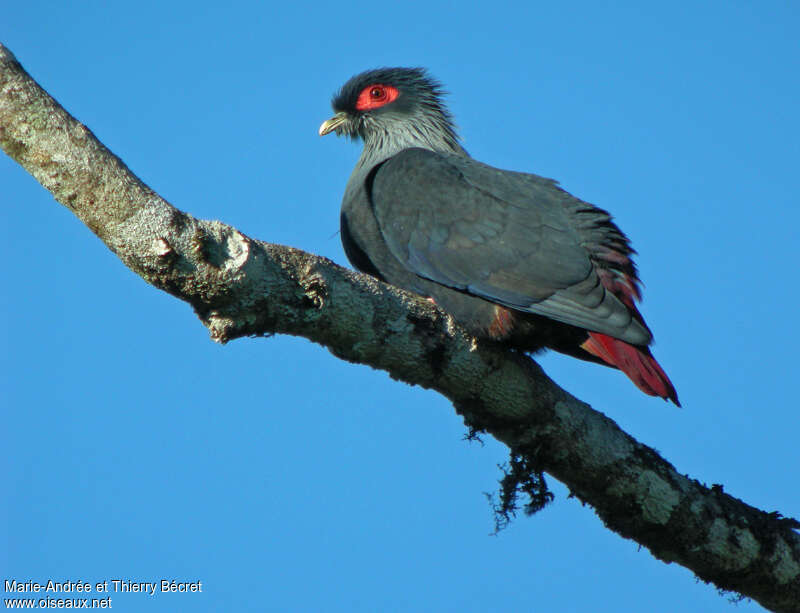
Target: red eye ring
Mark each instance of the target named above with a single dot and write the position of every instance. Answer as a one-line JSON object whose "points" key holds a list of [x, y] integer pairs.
{"points": [[375, 96]]}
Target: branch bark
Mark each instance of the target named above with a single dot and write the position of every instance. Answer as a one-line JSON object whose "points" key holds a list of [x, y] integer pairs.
{"points": [[243, 287]]}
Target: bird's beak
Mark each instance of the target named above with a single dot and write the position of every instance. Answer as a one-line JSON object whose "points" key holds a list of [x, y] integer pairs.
{"points": [[331, 124]]}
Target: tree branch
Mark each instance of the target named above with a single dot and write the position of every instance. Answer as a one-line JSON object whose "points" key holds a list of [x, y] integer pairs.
{"points": [[242, 287]]}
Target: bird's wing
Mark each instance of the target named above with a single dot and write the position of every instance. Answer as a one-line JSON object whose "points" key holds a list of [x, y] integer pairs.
{"points": [[512, 238]]}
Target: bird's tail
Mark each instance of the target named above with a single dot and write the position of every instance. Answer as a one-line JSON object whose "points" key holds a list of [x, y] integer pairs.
{"points": [[636, 362]]}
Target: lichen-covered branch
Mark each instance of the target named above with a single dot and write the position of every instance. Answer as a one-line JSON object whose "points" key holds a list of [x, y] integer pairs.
{"points": [[242, 287]]}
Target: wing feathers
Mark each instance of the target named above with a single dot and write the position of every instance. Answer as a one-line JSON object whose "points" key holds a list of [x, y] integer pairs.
{"points": [[512, 238]]}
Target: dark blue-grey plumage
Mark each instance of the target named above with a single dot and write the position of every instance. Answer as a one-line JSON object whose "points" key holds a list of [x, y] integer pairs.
{"points": [[504, 236], [510, 255]]}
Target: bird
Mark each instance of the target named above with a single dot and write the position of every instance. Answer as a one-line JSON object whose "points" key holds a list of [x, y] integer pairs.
{"points": [[512, 256]]}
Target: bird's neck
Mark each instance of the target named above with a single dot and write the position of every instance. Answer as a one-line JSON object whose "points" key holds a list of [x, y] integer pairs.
{"points": [[385, 141]]}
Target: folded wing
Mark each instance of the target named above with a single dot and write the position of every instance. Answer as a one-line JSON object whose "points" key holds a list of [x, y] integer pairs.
{"points": [[513, 238]]}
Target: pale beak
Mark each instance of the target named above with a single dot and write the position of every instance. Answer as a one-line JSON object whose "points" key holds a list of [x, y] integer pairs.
{"points": [[331, 124]]}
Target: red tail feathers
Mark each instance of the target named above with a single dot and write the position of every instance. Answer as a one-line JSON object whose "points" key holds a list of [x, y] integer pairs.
{"points": [[636, 362]]}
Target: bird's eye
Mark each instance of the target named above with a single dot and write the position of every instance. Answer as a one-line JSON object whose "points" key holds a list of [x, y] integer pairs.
{"points": [[375, 96]]}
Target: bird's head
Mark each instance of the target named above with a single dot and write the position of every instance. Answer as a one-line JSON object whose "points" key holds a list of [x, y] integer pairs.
{"points": [[393, 108]]}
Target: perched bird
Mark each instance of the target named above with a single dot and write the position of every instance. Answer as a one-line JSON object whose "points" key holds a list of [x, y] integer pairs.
{"points": [[512, 256]]}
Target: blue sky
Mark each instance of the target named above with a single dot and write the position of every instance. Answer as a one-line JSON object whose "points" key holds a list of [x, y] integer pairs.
{"points": [[287, 480]]}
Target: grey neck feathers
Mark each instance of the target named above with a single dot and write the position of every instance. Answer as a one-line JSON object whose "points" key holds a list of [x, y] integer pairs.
{"points": [[390, 133]]}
